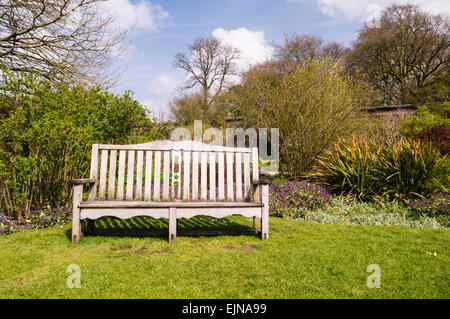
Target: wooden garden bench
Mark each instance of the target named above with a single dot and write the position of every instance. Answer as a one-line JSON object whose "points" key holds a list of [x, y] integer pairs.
{"points": [[172, 180]]}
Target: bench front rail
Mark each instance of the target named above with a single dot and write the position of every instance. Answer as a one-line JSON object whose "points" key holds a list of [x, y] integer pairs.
{"points": [[172, 180]]}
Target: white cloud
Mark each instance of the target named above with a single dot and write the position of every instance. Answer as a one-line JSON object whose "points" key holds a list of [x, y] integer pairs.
{"points": [[141, 16], [164, 83], [252, 44], [358, 9]]}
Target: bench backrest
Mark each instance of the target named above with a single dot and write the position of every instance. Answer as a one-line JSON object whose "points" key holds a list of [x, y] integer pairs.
{"points": [[173, 170]]}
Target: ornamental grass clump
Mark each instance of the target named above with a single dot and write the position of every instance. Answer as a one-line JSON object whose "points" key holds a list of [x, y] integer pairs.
{"points": [[350, 169], [400, 171], [296, 196]]}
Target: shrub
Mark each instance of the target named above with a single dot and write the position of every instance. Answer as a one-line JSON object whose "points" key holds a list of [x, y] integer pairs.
{"points": [[285, 198], [426, 117], [399, 171], [439, 136], [46, 135], [312, 105], [412, 169], [349, 168]]}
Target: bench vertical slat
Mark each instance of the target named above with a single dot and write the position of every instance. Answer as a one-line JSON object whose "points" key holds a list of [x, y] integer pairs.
{"points": [[247, 183], [112, 175], [195, 162], [204, 181], [139, 173], [221, 175], [212, 176], [166, 177], [238, 176], [157, 177], [130, 175], [187, 176], [121, 178], [94, 172], [176, 174], [255, 168], [230, 184], [103, 172], [148, 176]]}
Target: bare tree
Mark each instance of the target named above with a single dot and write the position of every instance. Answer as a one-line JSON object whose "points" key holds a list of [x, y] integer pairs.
{"points": [[302, 48], [210, 65], [407, 54], [59, 38]]}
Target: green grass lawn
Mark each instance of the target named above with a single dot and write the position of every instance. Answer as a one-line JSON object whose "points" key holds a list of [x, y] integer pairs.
{"points": [[301, 260]]}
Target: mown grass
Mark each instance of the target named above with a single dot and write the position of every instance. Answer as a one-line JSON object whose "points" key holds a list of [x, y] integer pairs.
{"points": [[301, 260]]}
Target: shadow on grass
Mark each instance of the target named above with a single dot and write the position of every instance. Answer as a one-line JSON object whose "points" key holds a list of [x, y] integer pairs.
{"points": [[151, 227]]}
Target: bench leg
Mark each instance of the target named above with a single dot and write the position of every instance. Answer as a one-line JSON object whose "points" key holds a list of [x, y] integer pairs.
{"points": [[172, 225], [265, 212], [76, 213]]}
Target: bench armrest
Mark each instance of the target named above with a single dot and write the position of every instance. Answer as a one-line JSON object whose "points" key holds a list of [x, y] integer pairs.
{"points": [[263, 180], [84, 181]]}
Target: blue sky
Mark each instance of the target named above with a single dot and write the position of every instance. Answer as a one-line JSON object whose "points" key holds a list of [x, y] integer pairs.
{"points": [[160, 29]]}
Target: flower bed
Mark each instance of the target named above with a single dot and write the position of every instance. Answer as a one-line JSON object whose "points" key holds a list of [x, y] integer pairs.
{"points": [[304, 201], [289, 198], [37, 219]]}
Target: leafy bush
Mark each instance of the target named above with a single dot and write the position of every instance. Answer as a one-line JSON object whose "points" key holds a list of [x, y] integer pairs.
{"points": [[439, 136], [46, 135], [284, 198], [312, 105], [426, 117], [400, 171]]}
